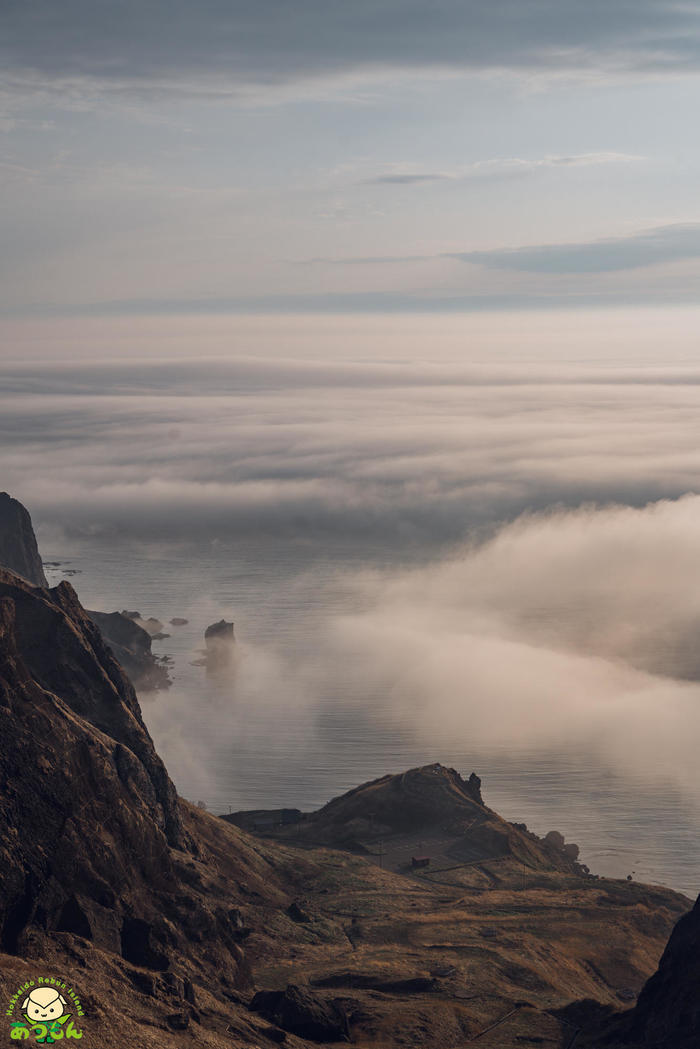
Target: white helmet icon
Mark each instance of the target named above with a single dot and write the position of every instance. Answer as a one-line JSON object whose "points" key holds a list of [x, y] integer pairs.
{"points": [[44, 1004]]}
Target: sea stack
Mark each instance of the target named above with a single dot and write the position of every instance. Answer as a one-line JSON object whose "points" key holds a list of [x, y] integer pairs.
{"points": [[18, 547], [220, 641]]}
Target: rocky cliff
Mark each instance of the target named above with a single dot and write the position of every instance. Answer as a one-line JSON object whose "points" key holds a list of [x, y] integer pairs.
{"points": [[18, 549], [94, 842], [84, 792], [667, 1015]]}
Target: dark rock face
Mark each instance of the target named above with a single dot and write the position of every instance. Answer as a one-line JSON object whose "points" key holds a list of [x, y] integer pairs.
{"points": [[221, 631], [303, 1013], [474, 787], [18, 549], [131, 645], [65, 655], [87, 811], [667, 1014], [220, 645], [373, 982], [298, 914]]}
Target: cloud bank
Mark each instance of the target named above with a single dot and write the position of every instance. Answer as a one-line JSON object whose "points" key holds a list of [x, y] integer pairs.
{"points": [[318, 441], [566, 630], [566, 633], [274, 41], [665, 244]]}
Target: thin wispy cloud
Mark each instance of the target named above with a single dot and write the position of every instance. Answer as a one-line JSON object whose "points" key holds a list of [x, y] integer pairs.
{"points": [[650, 248], [408, 179], [500, 167]]}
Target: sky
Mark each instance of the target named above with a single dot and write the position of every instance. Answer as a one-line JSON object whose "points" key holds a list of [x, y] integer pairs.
{"points": [[325, 156]]}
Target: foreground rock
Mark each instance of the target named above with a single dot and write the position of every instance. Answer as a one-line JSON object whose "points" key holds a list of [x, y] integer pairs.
{"points": [[304, 1013], [18, 549], [131, 646], [667, 1015]]}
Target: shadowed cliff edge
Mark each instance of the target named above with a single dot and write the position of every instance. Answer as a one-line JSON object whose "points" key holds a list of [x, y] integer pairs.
{"points": [[18, 546]]}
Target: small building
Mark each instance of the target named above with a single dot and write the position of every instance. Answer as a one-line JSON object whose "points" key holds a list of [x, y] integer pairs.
{"points": [[420, 861]]}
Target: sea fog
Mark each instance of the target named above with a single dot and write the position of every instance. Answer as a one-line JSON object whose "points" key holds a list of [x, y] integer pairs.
{"points": [[472, 539]]}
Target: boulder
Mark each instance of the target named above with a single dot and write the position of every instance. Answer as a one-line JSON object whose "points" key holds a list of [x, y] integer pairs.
{"points": [[298, 914], [301, 1012]]}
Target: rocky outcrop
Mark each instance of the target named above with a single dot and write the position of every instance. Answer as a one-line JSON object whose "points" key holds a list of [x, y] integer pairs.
{"points": [[303, 1013], [18, 549], [412, 801], [220, 641], [221, 631], [131, 645], [416, 806], [667, 1014], [150, 624]]}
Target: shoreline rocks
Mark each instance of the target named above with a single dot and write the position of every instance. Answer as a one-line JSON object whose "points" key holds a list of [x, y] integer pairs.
{"points": [[131, 647]]}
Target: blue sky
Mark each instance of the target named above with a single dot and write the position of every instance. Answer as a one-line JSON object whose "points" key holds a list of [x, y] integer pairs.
{"points": [[325, 155]]}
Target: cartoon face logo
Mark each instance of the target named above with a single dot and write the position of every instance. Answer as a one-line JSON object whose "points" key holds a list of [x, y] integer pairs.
{"points": [[44, 1005]]}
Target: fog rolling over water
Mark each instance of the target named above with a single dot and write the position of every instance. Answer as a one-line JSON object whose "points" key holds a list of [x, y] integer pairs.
{"points": [[467, 539]]}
